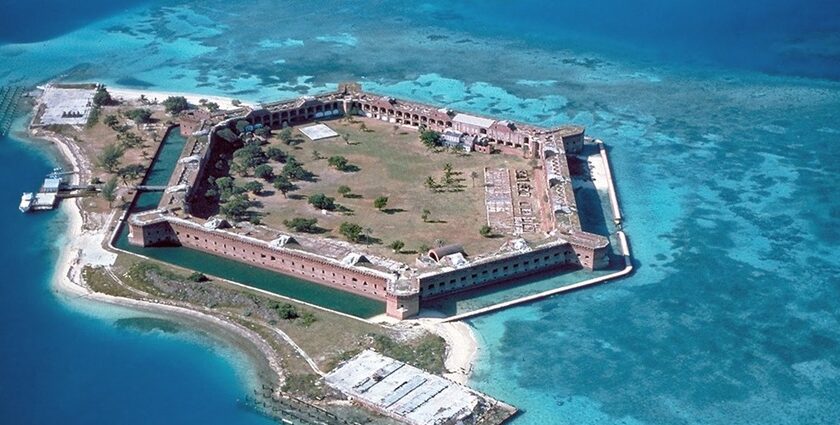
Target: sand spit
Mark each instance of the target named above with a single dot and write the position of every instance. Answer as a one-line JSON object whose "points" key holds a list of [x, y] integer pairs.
{"points": [[87, 235], [160, 96]]}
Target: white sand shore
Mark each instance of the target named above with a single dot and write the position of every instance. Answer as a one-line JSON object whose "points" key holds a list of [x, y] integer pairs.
{"points": [[88, 235], [461, 344], [85, 246], [160, 96], [462, 348]]}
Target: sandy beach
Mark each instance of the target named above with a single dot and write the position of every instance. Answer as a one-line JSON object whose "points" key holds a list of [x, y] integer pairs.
{"points": [[86, 239], [160, 96], [462, 348]]}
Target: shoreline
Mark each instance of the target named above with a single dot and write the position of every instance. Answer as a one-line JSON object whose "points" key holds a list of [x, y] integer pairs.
{"points": [[88, 234], [85, 246], [127, 94]]}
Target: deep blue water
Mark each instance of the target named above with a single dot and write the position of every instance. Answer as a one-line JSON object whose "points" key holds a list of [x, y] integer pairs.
{"points": [[58, 365], [723, 126]]}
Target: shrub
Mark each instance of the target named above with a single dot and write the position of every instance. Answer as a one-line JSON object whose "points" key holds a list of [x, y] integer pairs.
{"points": [[322, 202], [176, 104], [275, 154], [338, 162], [300, 224], [264, 171], [197, 277], [139, 115], [306, 319], [254, 187], [430, 138], [380, 202], [397, 245], [352, 231], [286, 311]]}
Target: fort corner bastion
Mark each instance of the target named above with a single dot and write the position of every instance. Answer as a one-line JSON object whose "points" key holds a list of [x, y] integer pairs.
{"points": [[349, 267]]}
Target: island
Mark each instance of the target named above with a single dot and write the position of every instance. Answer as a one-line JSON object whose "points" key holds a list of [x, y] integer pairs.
{"points": [[362, 198]]}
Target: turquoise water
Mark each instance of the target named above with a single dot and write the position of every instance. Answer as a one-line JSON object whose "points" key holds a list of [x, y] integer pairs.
{"points": [[723, 127]]}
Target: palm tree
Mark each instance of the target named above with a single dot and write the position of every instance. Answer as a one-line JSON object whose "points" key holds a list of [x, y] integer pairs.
{"points": [[474, 175]]}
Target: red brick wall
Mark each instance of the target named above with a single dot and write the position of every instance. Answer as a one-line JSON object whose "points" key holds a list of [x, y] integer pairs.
{"points": [[252, 252], [484, 274]]}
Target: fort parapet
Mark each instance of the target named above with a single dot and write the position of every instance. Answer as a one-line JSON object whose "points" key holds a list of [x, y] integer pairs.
{"points": [[403, 287]]}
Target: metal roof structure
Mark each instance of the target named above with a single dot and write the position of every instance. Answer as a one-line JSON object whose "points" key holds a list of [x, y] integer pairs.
{"points": [[408, 393], [473, 120]]}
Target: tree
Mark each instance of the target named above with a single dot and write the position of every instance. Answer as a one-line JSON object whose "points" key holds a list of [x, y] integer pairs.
{"points": [[363, 127], [322, 202], [344, 190], [212, 106], [102, 97], [300, 224], [250, 155], [275, 154], [111, 121], [264, 171], [254, 186], [141, 115], [294, 171], [109, 190], [316, 155], [176, 104], [346, 138], [425, 215], [485, 231], [235, 207], [285, 135], [430, 183], [473, 176], [423, 248], [397, 246], [130, 172], [430, 138], [338, 162], [236, 102], [380, 202], [352, 231], [110, 157], [129, 140], [283, 184]]}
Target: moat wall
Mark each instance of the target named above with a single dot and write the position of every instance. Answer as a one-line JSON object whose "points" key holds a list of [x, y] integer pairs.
{"points": [[261, 254], [354, 279]]}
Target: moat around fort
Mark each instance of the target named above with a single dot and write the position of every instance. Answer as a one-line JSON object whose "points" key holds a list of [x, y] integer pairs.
{"points": [[530, 201]]}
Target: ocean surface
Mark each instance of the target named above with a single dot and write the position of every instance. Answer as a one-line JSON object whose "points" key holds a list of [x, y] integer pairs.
{"points": [[723, 120]]}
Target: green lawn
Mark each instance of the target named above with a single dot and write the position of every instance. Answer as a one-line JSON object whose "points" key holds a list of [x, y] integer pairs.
{"points": [[391, 163]]}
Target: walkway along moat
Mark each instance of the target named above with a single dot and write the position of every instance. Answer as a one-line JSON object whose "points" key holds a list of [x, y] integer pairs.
{"points": [[162, 167], [596, 203]]}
